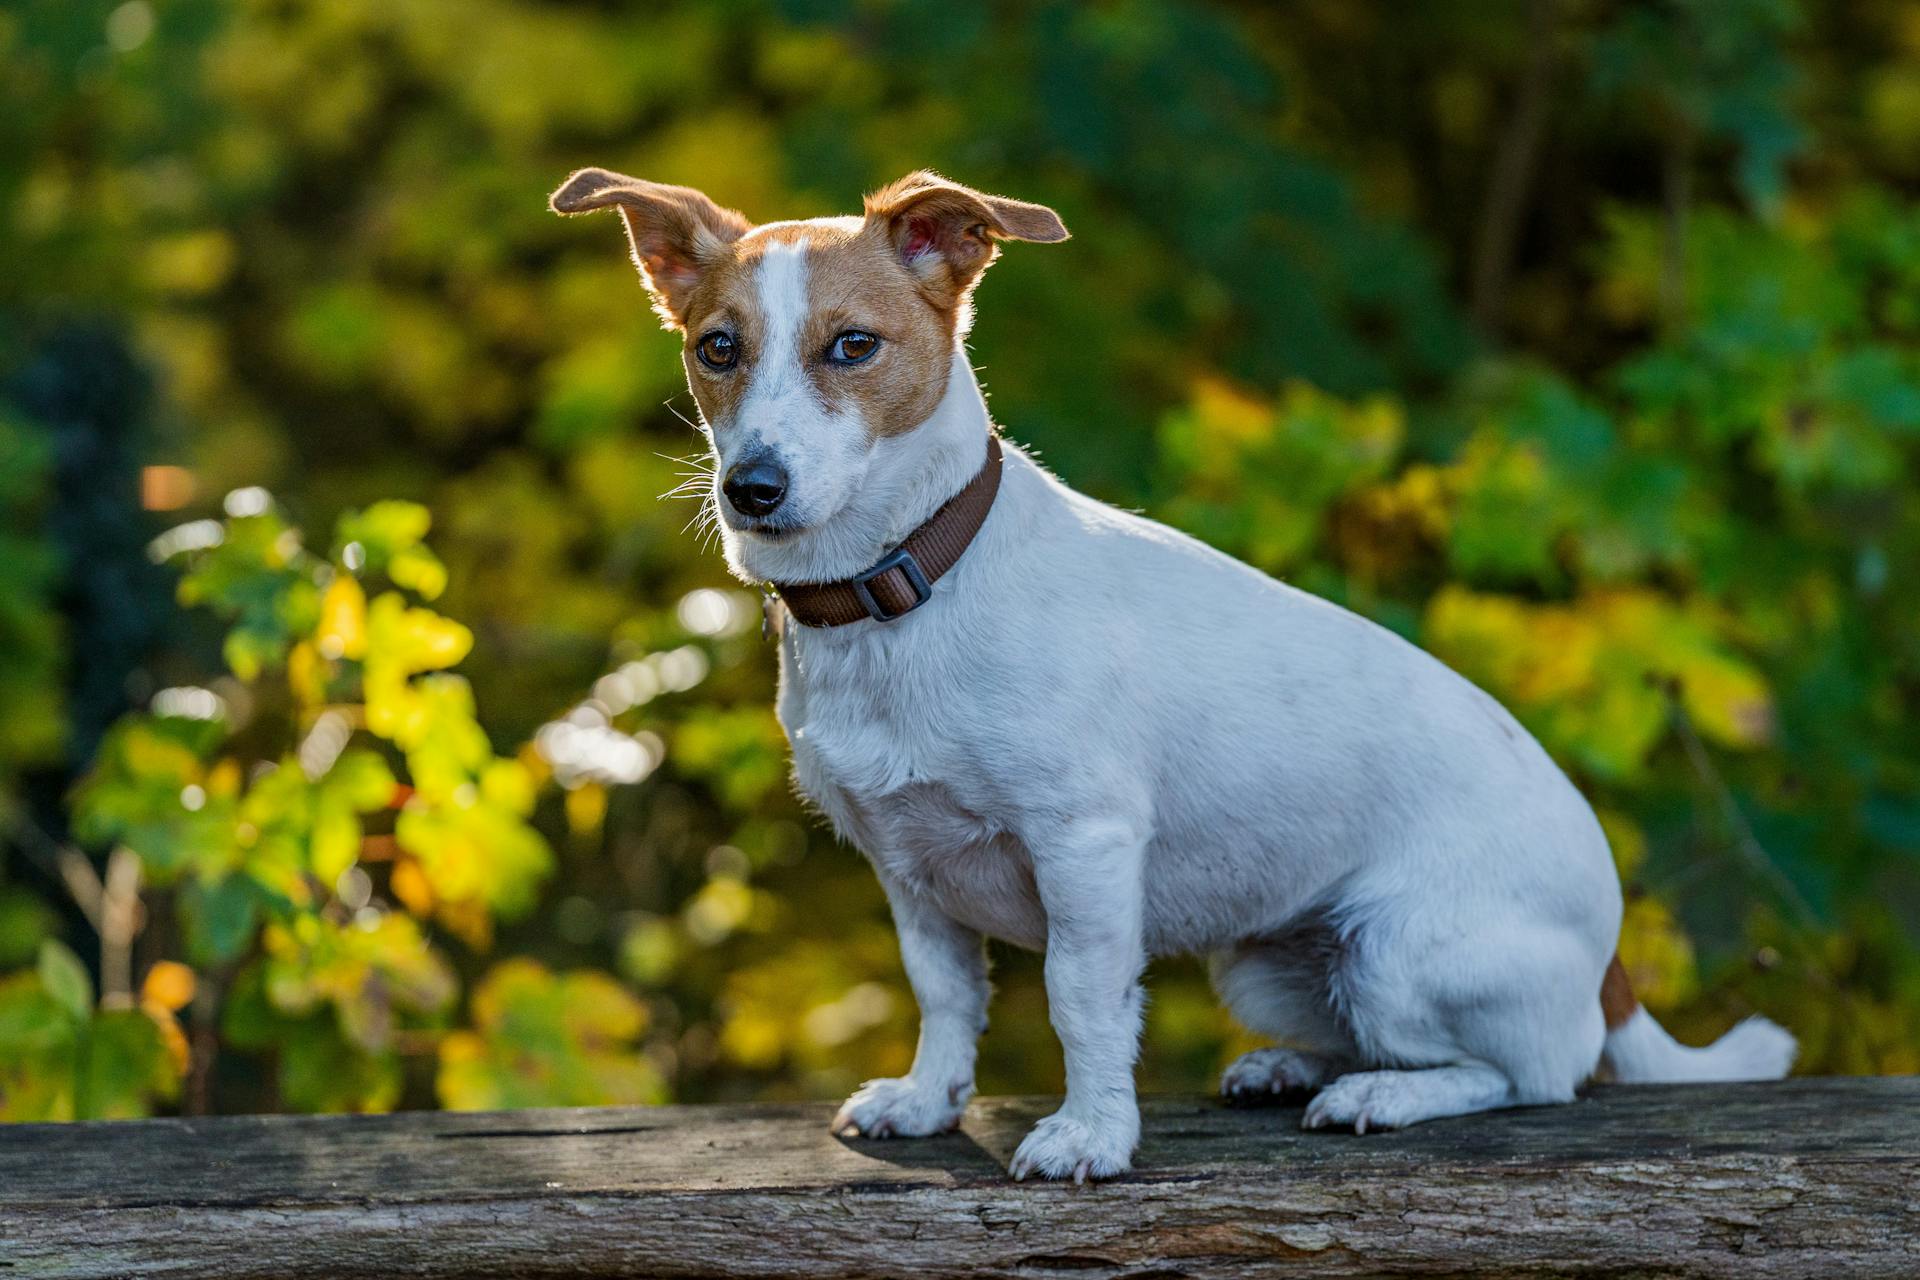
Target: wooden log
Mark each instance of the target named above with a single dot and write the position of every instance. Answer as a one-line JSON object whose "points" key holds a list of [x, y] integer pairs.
{"points": [[1817, 1177]]}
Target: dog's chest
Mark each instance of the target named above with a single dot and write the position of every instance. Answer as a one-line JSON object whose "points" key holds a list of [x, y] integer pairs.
{"points": [[905, 786]]}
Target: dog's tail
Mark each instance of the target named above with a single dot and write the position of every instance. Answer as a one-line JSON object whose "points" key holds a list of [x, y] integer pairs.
{"points": [[1639, 1051]]}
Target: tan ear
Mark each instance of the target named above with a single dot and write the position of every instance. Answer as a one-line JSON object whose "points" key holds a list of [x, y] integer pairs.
{"points": [[677, 232], [945, 233]]}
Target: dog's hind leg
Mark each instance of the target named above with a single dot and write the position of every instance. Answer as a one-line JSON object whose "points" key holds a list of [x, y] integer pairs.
{"points": [[1394, 1099], [1278, 988], [1274, 1075], [1466, 1023]]}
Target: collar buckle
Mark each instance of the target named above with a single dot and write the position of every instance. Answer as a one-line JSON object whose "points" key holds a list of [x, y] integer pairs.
{"points": [[902, 559], [923, 557]]}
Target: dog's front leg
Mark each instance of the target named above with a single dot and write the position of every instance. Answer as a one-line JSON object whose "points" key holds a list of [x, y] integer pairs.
{"points": [[1089, 881], [946, 964]]}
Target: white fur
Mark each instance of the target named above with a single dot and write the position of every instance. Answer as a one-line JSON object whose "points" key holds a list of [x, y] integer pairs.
{"points": [[823, 452], [1106, 740], [782, 281], [1639, 1051]]}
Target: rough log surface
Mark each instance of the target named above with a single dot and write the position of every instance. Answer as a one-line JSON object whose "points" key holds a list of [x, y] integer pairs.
{"points": [[1799, 1179]]}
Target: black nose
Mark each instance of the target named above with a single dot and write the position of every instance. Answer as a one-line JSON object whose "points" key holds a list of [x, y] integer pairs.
{"points": [[756, 487]]}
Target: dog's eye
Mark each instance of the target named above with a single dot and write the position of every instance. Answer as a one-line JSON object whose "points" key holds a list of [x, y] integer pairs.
{"points": [[853, 347], [717, 350]]}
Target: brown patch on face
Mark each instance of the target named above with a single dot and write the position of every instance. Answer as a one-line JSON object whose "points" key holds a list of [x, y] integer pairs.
{"points": [[856, 282], [727, 300], [904, 273]]}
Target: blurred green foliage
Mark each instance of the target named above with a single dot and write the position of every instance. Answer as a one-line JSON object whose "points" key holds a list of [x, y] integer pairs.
{"points": [[1572, 338]]}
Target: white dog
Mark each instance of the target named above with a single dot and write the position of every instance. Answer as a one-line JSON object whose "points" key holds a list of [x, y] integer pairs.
{"points": [[1058, 724]]}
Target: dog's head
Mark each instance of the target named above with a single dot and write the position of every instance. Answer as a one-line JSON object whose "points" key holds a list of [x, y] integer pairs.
{"points": [[810, 347]]}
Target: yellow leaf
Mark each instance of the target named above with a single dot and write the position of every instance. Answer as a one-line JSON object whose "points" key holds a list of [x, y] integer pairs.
{"points": [[1657, 955], [1589, 676], [223, 780], [414, 639], [598, 1009], [419, 570], [179, 1052], [410, 884], [508, 784], [335, 841], [650, 951], [461, 1047], [307, 674], [343, 619], [519, 976], [467, 921], [168, 984], [1728, 700], [718, 909], [586, 809], [193, 262], [1231, 412], [752, 1039], [541, 1039]]}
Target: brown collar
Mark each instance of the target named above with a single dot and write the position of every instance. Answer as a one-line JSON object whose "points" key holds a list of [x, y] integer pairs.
{"points": [[902, 580]]}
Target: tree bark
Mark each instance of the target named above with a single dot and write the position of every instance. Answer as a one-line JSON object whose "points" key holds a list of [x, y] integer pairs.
{"points": [[1510, 184], [1803, 1178]]}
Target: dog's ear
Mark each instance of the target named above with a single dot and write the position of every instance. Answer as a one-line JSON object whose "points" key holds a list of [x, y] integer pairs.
{"points": [[677, 232], [945, 233]]}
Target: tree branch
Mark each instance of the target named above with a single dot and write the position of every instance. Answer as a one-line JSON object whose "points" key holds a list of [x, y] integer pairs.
{"points": [[1510, 185]]}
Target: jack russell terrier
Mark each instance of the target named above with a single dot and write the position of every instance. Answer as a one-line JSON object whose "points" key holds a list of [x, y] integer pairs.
{"points": [[1055, 723]]}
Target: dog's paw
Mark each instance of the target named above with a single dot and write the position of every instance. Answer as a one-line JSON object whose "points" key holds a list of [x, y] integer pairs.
{"points": [[1366, 1100], [1270, 1075], [902, 1108], [1064, 1146]]}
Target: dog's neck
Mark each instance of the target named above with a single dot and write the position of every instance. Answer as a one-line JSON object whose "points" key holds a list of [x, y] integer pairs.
{"points": [[907, 478]]}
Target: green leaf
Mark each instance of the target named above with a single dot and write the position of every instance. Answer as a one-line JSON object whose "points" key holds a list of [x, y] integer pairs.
{"points": [[36, 1052], [24, 922], [220, 918], [542, 1039], [361, 779], [66, 980], [320, 1070], [136, 795], [127, 1064], [247, 1019], [387, 540], [335, 840], [30, 1019]]}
